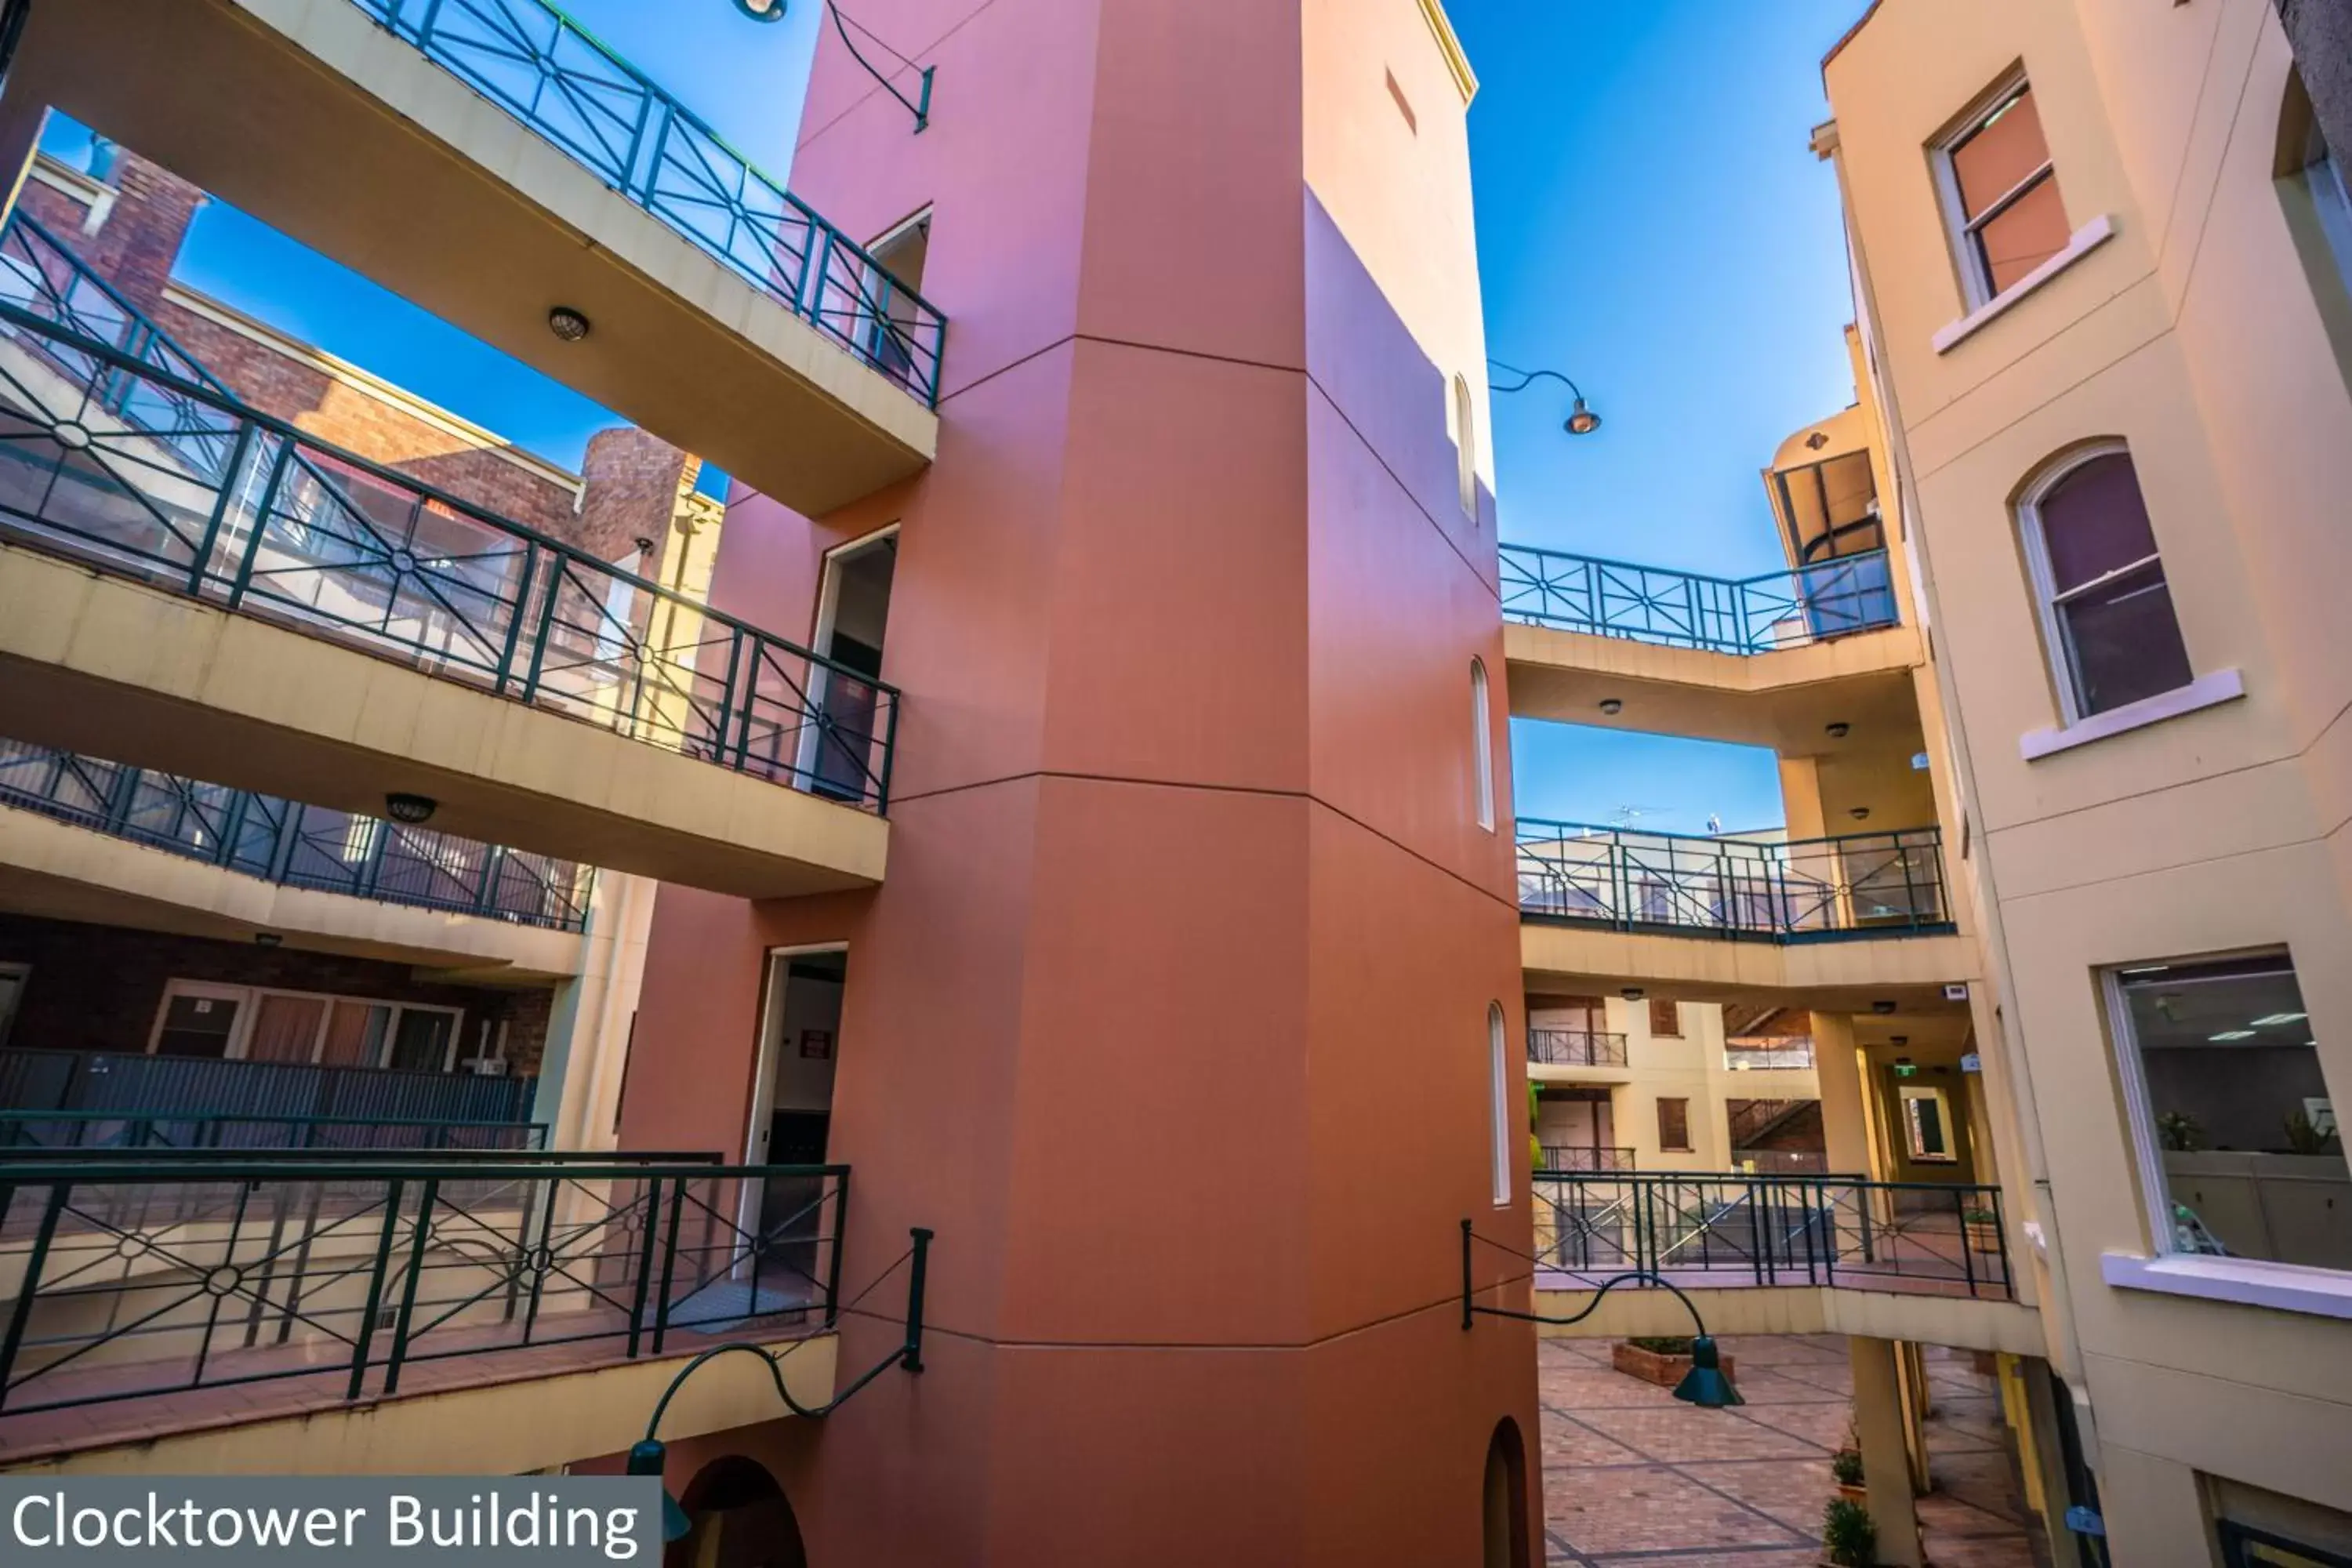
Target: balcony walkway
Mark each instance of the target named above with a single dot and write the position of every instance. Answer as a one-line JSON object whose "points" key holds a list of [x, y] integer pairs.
{"points": [[1768, 661], [412, 139], [288, 619]]}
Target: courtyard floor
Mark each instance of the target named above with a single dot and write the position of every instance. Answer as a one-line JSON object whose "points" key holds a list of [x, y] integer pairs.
{"points": [[1632, 1476]]}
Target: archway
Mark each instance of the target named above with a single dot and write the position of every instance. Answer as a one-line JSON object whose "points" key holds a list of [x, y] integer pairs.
{"points": [[1506, 1498], [741, 1519]]}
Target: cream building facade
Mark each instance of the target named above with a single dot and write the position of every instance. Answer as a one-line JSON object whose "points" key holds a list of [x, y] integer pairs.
{"points": [[2100, 264]]}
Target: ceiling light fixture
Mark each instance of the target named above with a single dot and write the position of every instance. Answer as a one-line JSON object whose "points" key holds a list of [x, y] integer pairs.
{"points": [[1613, 706], [2278, 1018], [567, 323], [410, 808], [1860, 813], [1840, 731], [2233, 1034], [1631, 994], [1881, 1008]]}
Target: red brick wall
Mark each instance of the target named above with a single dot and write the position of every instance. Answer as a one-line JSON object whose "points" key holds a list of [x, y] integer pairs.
{"points": [[97, 988], [633, 477]]}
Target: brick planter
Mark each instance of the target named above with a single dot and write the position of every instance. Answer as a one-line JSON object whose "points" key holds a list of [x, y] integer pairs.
{"points": [[1666, 1371]]}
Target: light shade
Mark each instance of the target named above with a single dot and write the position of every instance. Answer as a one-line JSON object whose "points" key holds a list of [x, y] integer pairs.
{"points": [[1582, 421], [761, 10], [411, 809], [1705, 1383], [647, 1459]]}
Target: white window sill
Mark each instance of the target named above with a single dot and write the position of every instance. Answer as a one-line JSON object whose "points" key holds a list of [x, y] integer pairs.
{"points": [[2087, 238], [2281, 1286], [2205, 691]]}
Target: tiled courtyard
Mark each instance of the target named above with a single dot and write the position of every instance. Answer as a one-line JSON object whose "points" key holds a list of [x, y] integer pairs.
{"points": [[1631, 1475]]}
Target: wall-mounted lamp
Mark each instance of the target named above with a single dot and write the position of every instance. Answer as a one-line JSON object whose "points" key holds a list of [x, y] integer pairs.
{"points": [[1581, 419], [761, 10]]}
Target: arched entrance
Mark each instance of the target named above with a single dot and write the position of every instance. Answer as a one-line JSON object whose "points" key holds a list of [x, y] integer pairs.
{"points": [[741, 1519], [1505, 1499]]}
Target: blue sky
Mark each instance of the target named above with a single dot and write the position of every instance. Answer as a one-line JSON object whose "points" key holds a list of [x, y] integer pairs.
{"points": [[1650, 222]]}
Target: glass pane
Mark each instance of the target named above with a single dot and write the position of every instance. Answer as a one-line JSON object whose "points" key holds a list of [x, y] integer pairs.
{"points": [[420, 1041], [356, 1035], [2123, 641], [286, 1028], [2028, 232], [2094, 521], [2252, 1157], [196, 1026], [1996, 157]]}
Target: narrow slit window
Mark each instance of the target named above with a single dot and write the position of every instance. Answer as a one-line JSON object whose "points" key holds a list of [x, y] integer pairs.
{"points": [[1466, 445], [1498, 1058], [1482, 743]]}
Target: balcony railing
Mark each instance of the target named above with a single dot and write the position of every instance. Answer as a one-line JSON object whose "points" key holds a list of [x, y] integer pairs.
{"points": [[143, 1278], [1782, 1161], [1862, 884], [37, 1081], [1683, 609], [1576, 1049], [1921, 1237], [151, 474], [1582, 1157], [35, 1133], [558, 78], [299, 846]]}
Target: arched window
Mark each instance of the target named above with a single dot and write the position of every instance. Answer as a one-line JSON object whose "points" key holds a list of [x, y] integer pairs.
{"points": [[1482, 743], [1498, 1052], [2106, 610], [1466, 445]]}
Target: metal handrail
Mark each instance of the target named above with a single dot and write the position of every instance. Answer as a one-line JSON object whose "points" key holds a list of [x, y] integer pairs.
{"points": [[179, 1130], [1855, 884], [271, 837], [44, 250], [1762, 1229], [202, 494], [1744, 616], [138, 1278], [1576, 1048], [661, 156], [1585, 1157]]}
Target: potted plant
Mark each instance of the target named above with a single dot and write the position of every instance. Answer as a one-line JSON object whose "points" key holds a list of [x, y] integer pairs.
{"points": [[1848, 1535], [1983, 1228], [1847, 1465], [1663, 1360]]}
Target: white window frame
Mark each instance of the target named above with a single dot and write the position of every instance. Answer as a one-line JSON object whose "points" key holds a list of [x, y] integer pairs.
{"points": [[2139, 1112], [1967, 252], [828, 606], [2056, 644], [1498, 1054], [1482, 742], [1466, 445], [21, 974], [249, 1000]]}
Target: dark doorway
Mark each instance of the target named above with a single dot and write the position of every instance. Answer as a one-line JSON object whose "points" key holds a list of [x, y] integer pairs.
{"points": [[741, 1519]]}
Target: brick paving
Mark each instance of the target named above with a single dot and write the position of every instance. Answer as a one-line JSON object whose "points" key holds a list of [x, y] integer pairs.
{"points": [[1633, 1477]]}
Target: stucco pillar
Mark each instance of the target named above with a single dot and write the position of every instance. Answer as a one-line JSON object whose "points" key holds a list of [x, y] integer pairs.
{"points": [[1801, 796], [2321, 32], [1885, 1457], [1845, 1111]]}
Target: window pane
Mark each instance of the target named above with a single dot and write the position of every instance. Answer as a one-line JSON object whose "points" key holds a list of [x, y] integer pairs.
{"points": [[2094, 522], [2251, 1158], [1996, 158], [420, 1041], [1665, 1017], [2028, 232], [1673, 1124], [2123, 641]]}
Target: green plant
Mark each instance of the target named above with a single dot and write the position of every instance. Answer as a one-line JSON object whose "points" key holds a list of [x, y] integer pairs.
{"points": [[1846, 1466], [1668, 1345], [1979, 1217], [2304, 1138], [2180, 1132], [1849, 1535]]}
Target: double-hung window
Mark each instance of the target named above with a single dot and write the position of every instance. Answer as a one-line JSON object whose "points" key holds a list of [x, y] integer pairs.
{"points": [[2106, 610], [2000, 192]]}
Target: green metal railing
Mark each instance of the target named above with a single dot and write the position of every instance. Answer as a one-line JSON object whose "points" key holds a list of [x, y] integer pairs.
{"points": [[137, 1084], [1687, 609], [147, 473], [1858, 884], [299, 846], [1772, 1229], [142, 1277], [1576, 1048], [32, 1135], [556, 77]]}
